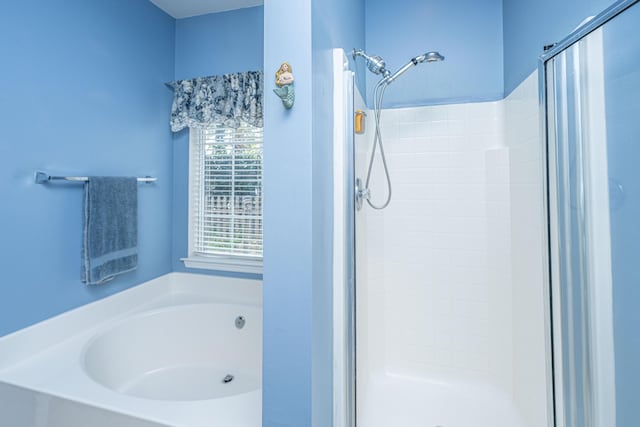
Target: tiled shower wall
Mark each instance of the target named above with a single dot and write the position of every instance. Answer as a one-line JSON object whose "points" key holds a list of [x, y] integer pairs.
{"points": [[449, 276], [434, 308]]}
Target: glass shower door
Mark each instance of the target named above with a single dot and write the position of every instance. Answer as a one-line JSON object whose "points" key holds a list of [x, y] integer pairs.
{"points": [[593, 132]]}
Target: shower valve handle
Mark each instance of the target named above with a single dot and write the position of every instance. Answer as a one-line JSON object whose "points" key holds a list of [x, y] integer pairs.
{"points": [[361, 195]]}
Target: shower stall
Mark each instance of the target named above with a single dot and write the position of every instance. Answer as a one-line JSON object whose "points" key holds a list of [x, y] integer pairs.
{"points": [[498, 286], [437, 323]]}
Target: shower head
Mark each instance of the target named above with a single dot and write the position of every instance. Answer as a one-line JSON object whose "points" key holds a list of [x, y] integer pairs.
{"points": [[375, 64], [427, 57], [430, 57]]}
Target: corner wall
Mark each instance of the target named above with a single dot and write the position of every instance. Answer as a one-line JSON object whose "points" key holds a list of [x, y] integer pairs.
{"points": [[288, 221]]}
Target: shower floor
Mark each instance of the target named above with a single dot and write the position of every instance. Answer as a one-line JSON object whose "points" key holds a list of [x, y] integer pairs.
{"points": [[391, 400]]}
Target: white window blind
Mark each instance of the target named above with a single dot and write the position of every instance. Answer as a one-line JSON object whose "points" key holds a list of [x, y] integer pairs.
{"points": [[226, 192]]}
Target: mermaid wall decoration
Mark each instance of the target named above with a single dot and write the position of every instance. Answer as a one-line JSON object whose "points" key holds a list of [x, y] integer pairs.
{"points": [[284, 81]]}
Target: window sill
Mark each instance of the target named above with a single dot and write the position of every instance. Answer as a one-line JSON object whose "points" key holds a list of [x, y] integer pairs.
{"points": [[235, 265]]}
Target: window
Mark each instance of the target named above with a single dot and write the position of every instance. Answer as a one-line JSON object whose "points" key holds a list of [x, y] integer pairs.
{"points": [[225, 224]]}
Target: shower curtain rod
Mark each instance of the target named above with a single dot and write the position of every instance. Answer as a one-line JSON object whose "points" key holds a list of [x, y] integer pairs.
{"points": [[43, 178]]}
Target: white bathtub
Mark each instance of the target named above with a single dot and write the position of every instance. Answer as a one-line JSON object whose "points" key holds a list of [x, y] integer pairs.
{"points": [[180, 350]]}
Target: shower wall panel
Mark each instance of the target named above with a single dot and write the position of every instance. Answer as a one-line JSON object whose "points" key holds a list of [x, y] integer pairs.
{"points": [[522, 136], [449, 278], [431, 304]]}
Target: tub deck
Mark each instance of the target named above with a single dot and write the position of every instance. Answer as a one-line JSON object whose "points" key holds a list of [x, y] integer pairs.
{"points": [[48, 357]]}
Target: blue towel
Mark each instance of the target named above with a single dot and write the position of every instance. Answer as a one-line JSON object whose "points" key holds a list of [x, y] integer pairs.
{"points": [[110, 234]]}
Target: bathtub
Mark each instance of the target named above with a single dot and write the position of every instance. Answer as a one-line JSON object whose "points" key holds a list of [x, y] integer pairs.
{"points": [[179, 350]]}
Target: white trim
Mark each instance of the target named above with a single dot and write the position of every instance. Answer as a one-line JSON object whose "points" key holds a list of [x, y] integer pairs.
{"points": [[231, 264], [340, 170], [191, 240]]}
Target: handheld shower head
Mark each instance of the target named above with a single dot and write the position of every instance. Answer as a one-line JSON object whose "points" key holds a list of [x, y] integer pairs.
{"points": [[427, 57], [431, 57], [375, 63]]}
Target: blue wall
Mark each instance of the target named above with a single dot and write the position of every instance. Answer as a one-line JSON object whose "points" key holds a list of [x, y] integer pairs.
{"points": [[490, 47], [82, 94], [467, 32], [338, 24], [207, 45], [288, 217], [622, 79], [220, 43], [530, 25]]}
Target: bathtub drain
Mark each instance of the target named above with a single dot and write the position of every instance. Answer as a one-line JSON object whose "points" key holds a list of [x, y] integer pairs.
{"points": [[227, 379]]}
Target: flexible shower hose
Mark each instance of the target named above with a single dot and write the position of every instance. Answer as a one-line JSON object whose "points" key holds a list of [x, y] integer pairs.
{"points": [[378, 95]]}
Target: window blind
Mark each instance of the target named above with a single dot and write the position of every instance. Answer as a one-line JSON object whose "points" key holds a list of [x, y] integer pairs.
{"points": [[227, 191]]}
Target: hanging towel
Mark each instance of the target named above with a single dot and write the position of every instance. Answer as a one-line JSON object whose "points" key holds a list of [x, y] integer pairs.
{"points": [[110, 234]]}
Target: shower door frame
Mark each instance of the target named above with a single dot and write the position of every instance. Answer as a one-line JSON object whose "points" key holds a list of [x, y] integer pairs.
{"points": [[553, 315], [344, 338]]}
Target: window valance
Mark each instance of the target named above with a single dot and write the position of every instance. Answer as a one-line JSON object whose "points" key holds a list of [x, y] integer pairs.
{"points": [[230, 99]]}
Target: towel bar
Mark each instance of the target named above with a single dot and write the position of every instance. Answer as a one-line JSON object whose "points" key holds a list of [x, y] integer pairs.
{"points": [[43, 178]]}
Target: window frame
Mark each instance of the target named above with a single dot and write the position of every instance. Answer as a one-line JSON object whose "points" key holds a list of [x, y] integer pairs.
{"points": [[226, 263]]}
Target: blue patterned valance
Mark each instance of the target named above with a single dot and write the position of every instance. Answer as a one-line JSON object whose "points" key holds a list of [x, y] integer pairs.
{"points": [[229, 100]]}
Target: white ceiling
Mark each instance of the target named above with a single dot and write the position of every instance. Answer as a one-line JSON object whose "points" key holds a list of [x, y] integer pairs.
{"points": [[186, 8]]}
